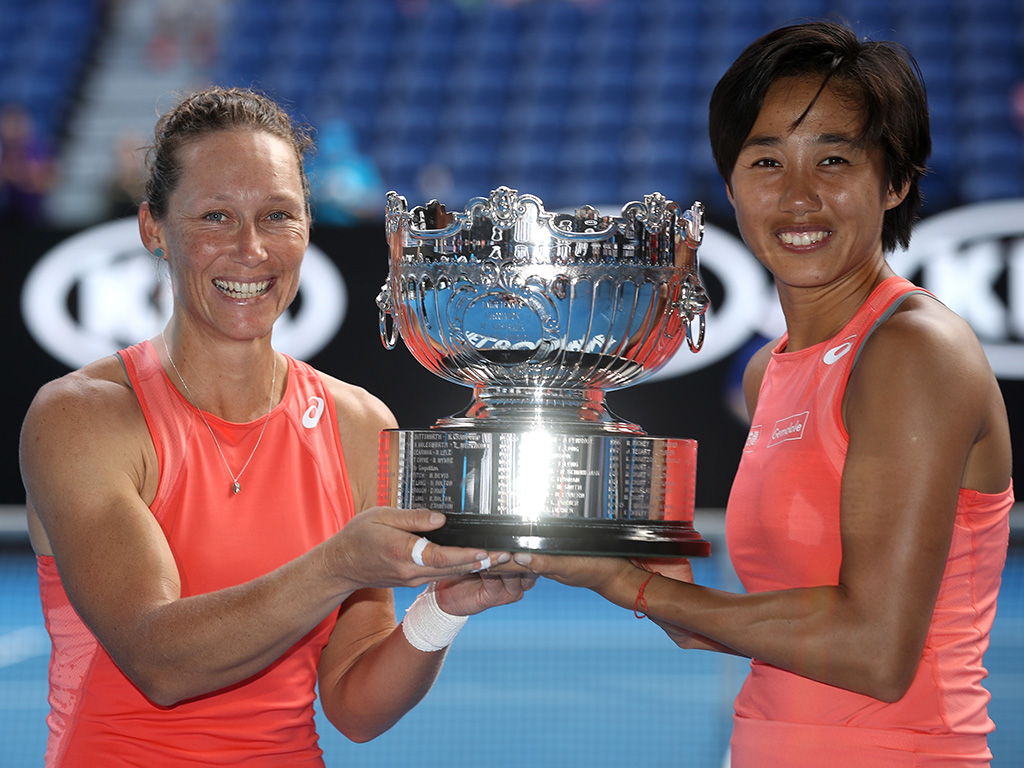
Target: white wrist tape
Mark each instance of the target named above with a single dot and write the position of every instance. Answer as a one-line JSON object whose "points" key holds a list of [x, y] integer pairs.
{"points": [[427, 627]]}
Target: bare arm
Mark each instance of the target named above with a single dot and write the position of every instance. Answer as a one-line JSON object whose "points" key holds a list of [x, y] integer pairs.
{"points": [[924, 417], [370, 675], [87, 463]]}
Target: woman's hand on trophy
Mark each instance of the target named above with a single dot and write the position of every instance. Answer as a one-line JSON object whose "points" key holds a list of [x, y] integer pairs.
{"points": [[599, 574], [676, 568], [384, 547], [472, 593]]}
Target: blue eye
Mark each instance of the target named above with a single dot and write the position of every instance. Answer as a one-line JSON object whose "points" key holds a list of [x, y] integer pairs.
{"points": [[215, 216]]}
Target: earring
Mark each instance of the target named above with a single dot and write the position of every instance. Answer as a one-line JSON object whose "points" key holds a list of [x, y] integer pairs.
{"points": [[159, 253]]}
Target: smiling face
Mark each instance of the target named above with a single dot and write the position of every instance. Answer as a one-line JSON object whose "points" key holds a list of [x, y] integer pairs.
{"points": [[810, 199], [235, 232]]}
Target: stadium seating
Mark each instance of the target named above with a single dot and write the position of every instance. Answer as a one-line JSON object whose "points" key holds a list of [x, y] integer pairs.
{"points": [[43, 53], [574, 100]]}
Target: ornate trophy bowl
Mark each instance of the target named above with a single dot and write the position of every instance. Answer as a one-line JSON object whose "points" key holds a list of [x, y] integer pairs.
{"points": [[542, 313]]}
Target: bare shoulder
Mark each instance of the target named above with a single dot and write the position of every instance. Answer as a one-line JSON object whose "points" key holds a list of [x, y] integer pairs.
{"points": [[924, 373], [355, 404], [96, 398], [925, 336]]}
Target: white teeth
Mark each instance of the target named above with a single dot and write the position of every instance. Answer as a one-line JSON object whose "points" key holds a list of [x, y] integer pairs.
{"points": [[803, 238], [238, 290]]}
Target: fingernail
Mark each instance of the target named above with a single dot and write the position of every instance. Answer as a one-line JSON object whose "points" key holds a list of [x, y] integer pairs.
{"points": [[484, 565], [523, 558], [504, 557], [436, 518]]}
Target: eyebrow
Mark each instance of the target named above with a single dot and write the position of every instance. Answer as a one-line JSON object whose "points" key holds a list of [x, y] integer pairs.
{"points": [[822, 138], [274, 198]]}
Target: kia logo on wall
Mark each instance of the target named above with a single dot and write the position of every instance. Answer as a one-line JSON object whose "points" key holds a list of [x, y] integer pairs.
{"points": [[101, 290]]}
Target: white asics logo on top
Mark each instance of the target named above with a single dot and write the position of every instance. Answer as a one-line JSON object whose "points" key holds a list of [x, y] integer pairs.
{"points": [[312, 415], [837, 353]]}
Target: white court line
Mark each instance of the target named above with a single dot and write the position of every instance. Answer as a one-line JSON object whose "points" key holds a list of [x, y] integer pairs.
{"points": [[24, 643]]}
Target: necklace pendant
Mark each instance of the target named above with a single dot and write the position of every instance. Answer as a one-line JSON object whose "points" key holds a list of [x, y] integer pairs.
{"points": [[235, 486]]}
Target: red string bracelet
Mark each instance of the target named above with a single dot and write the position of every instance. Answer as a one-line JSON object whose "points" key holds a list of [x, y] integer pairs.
{"points": [[640, 605]]}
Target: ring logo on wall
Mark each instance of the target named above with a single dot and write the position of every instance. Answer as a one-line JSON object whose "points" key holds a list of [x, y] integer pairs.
{"points": [[972, 259], [100, 290]]}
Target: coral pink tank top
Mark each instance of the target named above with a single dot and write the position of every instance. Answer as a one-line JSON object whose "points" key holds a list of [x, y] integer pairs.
{"points": [[295, 493], [782, 527]]}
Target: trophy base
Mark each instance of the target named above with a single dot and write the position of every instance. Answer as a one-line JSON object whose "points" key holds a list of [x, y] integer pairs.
{"points": [[556, 492], [573, 537]]}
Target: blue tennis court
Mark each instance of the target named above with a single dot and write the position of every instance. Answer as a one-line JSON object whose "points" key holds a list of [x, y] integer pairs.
{"points": [[561, 679]]}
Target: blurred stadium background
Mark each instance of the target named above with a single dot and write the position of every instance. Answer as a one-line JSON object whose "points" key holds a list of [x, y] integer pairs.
{"points": [[585, 101], [593, 100]]}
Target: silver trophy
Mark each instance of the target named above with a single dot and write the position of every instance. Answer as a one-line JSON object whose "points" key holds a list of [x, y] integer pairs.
{"points": [[542, 313]]}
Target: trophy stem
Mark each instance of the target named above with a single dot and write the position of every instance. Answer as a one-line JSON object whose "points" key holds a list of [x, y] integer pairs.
{"points": [[581, 411]]}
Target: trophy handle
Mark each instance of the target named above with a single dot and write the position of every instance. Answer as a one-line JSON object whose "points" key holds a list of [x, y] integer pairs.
{"points": [[695, 346], [388, 331], [693, 305]]}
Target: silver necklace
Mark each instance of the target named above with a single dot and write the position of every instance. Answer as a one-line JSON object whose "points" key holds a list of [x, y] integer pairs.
{"points": [[235, 485]]}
